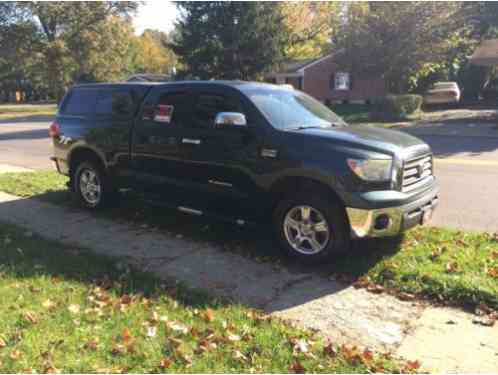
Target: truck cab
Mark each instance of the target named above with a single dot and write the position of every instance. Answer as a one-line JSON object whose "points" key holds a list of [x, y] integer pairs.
{"points": [[245, 152]]}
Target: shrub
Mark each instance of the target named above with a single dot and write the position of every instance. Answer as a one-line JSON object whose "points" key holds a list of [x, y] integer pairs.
{"points": [[395, 107]]}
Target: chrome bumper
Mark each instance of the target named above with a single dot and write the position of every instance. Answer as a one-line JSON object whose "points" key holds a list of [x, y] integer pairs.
{"points": [[364, 222]]}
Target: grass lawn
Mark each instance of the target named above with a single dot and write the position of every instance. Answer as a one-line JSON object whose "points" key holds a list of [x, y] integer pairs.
{"points": [[437, 263], [66, 309], [13, 111], [352, 113]]}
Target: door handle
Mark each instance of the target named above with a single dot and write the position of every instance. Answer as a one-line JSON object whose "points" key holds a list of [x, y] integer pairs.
{"points": [[191, 141]]}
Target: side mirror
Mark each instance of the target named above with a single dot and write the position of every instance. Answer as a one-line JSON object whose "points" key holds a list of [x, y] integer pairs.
{"points": [[230, 120]]}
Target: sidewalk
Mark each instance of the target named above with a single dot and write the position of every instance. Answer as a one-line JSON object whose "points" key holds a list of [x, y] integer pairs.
{"points": [[341, 312]]}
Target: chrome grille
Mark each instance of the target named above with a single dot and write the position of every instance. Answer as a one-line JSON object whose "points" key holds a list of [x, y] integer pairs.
{"points": [[416, 172]]}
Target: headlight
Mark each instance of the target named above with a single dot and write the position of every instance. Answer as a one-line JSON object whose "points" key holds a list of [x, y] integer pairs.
{"points": [[371, 169]]}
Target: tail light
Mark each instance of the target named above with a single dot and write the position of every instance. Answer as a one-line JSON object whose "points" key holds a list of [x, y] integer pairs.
{"points": [[54, 130]]}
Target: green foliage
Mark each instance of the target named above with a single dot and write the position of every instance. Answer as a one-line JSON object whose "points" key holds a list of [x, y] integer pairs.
{"points": [[395, 107], [59, 44], [352, 113], [229, 40], [393, 41]]}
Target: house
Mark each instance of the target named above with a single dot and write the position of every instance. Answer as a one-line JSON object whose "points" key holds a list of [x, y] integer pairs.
{"points": [[322, 79]]}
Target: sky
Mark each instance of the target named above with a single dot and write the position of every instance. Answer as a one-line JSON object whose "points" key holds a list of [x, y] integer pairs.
{"points": [[158, 14]]}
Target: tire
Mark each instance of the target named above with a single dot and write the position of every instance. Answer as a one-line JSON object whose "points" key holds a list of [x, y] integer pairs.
{"points": [[98, 192], [329, 213]]}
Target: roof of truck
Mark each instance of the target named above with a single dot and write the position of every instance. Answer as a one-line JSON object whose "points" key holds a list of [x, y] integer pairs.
{"points": [[234, 84]]}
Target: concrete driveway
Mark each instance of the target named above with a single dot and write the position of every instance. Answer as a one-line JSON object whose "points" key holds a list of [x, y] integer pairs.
{"points": [[466, 165]]}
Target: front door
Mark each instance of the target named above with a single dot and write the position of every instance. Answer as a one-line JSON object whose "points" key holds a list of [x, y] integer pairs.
{"points": [[221, 162]]}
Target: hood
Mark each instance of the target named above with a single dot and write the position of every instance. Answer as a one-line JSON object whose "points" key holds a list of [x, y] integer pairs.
{"points": [[392, 141]]}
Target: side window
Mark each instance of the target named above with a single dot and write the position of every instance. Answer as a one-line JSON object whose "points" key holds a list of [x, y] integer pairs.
{"points": [[81, 101], [117, 103], [172, 108], [207, 106]]}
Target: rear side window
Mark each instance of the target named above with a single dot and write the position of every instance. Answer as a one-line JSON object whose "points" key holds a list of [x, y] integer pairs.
{"points": [[80, 102], [209, 105], [119, 103]]}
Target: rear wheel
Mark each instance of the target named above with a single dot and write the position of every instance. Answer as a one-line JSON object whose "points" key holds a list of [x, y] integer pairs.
{"points": [[91, 185], [311, 228]]}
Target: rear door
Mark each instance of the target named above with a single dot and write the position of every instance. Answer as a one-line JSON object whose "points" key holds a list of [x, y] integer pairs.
{"points": [[157, 155]]}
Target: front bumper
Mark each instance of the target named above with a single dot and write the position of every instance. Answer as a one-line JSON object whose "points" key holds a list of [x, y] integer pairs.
{"points": [[390, 221]]}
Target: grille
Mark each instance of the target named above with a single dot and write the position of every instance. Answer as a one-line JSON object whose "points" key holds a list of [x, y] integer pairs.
{"points": [[416, 172]]}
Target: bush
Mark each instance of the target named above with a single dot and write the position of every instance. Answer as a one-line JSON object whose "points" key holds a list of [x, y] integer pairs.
{"points": [[395, 107]]}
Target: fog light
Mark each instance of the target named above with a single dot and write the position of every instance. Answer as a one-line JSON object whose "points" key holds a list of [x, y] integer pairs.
{"points": [[382, 222]]}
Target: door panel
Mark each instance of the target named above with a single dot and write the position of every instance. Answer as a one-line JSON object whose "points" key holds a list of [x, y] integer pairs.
{"points": [[221, 162], [157, 155]]}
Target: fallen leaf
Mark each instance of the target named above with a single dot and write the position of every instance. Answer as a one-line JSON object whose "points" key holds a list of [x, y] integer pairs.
{"points": [[165, 363], [74, 309], [230, 337], [30, 317], [362, 282], [92, 345], [330, 350], [493, 272], [126, 335], [375, 288], [297, 368], [177, 327], [208, 315], [118, 349], [451, 267], [413, 365], [237, 355], [125, 299], [301, 346], [52, 370], [48, 304], [367, 355], [15, 355], [34, 289], [406, 296], [184, 357], [486, 320], [3, 344], [151, 331]]}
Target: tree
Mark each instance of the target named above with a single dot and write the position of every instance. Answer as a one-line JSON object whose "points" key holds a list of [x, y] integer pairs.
{"points": [[393, 40], [311, 26], [64, 31], [229, 40], [152, 54]]}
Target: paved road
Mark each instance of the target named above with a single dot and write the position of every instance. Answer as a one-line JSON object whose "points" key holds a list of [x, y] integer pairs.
{"points": [[467, 168]]}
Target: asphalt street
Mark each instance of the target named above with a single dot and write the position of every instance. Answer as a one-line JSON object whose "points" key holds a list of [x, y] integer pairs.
{"points": [[467, 168]]}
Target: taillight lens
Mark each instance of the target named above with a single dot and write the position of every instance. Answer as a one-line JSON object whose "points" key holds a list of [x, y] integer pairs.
{"points": [[54, 130]]}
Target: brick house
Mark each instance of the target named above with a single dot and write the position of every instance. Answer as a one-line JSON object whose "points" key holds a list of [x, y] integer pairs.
{"points": [[322, 79]]}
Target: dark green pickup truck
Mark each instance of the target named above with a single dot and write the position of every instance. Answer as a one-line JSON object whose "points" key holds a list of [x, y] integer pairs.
{"points": [[245, 152]]}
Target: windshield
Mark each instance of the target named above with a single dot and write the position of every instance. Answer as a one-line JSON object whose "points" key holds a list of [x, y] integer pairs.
{"points": [[291, 109]]}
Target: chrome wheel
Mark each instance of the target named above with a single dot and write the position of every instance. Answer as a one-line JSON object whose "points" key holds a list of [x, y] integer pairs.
{"points": [[306, 230], [90, 186]]}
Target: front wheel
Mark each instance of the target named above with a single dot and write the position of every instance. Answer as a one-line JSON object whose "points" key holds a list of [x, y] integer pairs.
{"points": [[311, 228]]}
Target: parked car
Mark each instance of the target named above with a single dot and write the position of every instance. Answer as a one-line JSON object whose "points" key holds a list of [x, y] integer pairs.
{"points": [[443, 93], [245, 152]]}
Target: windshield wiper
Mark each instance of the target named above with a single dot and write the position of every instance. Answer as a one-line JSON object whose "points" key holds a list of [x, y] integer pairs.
{"points": [[301, 127]]}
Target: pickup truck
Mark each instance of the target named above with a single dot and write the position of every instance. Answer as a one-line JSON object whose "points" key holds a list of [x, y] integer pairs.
{"points": [[245, 152]]}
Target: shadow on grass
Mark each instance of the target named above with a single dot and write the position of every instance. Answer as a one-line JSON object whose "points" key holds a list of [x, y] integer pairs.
{"points": [[24, 256]]}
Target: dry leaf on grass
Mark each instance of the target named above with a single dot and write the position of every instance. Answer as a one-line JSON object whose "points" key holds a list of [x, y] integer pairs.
{"points": [[74, 309], [208, 315], [30, 317], [165, 363], [297, 368]]}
